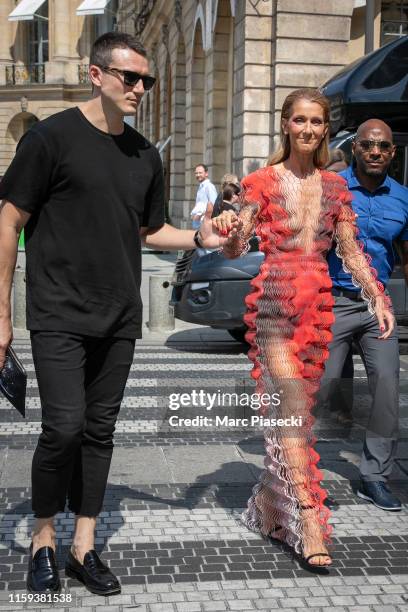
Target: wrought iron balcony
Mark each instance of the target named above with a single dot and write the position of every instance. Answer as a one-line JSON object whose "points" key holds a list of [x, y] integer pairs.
{"points": [[83, 76], [19, 74]]}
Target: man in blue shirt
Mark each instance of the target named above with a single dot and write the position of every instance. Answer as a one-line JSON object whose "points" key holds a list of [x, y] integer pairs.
{"points": [[382, 208]]}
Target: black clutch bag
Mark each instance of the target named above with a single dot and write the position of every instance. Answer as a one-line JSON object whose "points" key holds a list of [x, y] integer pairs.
{"points": [[13, 381]]}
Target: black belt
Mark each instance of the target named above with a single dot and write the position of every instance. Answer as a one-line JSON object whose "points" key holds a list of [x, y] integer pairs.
{"points": [[351, 295]]}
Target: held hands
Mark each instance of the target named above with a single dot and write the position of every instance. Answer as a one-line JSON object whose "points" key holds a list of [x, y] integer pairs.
{"points": [[385, 317], [219, 231]]}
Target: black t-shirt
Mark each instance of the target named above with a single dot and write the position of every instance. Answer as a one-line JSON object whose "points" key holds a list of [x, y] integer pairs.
{"points": [[88, 193]]}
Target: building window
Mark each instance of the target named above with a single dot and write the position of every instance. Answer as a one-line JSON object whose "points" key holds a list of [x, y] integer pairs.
{"points": [[108, 21], [38, 36], [394, 20]]}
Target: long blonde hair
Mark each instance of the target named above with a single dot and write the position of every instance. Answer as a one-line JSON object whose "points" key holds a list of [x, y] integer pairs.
{"points": [[321, 155]]}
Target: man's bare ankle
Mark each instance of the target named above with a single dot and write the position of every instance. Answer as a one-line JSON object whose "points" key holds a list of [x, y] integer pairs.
{"points": [[43, 539], [79, 550]]}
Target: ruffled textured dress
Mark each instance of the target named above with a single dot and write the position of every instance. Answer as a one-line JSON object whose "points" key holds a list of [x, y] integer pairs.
{"points": [[289, 319]]}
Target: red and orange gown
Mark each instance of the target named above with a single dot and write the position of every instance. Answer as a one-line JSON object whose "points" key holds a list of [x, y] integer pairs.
{"points": [[289, 319]]}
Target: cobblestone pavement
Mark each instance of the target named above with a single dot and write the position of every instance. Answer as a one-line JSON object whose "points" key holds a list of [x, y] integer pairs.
{"points": [[170, 527]]}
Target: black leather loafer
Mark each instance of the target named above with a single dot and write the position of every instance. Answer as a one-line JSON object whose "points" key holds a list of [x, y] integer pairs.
{"points": [[43, 576], [93, 574], [379, 494]]}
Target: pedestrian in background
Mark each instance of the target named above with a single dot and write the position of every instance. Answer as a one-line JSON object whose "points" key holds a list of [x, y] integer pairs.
{"points": [[337, 161], [206, 192], [226, 179]]}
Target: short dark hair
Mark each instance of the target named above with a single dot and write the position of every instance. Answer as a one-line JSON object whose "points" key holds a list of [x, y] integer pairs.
{"points": [[101, 52], [229, 191], [203, 166]]}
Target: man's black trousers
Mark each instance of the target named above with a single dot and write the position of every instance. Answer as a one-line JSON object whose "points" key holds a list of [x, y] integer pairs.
{"points": [[81, 381]]}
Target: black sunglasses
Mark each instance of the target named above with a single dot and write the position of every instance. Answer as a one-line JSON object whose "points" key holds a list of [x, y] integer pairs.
{"points": [[368, 145], [132, 78]]}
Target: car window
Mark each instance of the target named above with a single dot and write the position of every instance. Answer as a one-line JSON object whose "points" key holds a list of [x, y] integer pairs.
{"points": [[392, 69]]}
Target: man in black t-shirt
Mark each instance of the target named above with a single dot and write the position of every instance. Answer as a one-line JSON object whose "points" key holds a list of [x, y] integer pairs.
{"points": [[88, 189]]}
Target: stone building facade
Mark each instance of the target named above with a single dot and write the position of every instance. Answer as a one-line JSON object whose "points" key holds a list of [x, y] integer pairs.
{"points": [[223, 68], [43, 64]]}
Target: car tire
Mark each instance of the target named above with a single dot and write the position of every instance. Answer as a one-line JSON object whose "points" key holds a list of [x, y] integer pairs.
{"points": [[239, 334]]}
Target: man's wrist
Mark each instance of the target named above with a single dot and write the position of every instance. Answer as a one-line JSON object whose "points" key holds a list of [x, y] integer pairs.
{"points": [[198, 239]]}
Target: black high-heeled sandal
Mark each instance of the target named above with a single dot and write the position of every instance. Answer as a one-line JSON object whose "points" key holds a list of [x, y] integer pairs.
{"points": [[318, 554]]}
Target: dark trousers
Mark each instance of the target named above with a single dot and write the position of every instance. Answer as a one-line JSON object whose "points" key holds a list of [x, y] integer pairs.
{"points": [[381, 361], [81, 381]]}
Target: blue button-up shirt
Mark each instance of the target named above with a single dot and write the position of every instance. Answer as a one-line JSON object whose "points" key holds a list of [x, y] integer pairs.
{"points": [[382, 217]]}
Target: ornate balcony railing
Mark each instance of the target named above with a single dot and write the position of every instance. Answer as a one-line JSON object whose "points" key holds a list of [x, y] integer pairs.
{"points": [[19, 74], [83, 76]]}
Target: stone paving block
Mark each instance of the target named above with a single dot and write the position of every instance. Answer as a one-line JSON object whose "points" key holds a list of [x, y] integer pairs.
{"points": [[185, 587], [188, 606], [161, 607], [361, 608], [158, 588], [243, 604], [141, 465], [147, 598], [121, 599], [321, 591], [271, 592], [198, 596], [267, 603], [345, 590], [223, 595], [172, 597], [292, 602], [399, 579], [285, 583], [392, 598], [355, 580], [317, 601], [247, 594], [308, 582], [367, 600], [214, 606], [331, 580], [395, 588], [343, 600], [215, 464], [374, 589], [299, 592], [16, 468], [209, 586]]}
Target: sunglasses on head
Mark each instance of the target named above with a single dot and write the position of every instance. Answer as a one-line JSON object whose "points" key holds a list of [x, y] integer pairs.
{"points": [[131, 78], [368, 145]]}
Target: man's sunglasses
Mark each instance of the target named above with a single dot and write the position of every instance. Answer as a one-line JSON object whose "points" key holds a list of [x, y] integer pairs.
{"points": [[385, 146], [132, 78]]}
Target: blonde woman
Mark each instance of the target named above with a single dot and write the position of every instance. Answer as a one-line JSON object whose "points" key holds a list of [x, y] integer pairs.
{"points": [[297, 209]]}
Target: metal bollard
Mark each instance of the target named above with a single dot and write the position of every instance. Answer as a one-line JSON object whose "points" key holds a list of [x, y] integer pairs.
{"points": [[19, 299], [161, 315]]}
